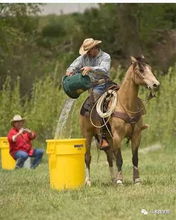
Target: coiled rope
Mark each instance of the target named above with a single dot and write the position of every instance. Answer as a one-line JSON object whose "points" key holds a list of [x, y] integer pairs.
{"points": [[99, 108]]}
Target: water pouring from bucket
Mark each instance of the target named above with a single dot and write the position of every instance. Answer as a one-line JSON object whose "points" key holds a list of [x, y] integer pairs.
{"points": [[73, 86], [66, 156], [65, 113]]}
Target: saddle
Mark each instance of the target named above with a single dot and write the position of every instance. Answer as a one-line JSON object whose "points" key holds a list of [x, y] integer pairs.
{"points": [[90, 102]]}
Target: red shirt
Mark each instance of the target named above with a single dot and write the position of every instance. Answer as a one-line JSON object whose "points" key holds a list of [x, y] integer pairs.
{"points": [[23, 141]]}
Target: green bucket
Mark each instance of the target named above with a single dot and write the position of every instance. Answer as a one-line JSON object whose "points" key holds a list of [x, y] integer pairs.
{"points": [[76, 84]]}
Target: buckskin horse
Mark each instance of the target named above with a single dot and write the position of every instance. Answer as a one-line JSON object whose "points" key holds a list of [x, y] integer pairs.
{"points": [[125, 122]]}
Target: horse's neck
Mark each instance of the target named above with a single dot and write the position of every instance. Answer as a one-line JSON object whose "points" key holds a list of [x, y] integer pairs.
{"points": [[128, 91]]}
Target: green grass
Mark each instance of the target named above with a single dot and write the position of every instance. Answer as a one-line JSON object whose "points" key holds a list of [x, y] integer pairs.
{"points": [[26, 194]]}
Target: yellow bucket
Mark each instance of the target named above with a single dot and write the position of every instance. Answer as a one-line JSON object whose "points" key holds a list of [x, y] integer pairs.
{"points": [[66, 163], [7, 160]]}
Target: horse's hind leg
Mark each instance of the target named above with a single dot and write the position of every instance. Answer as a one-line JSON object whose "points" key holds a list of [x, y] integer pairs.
{"points": [[109, 155], [135, 142], [88, 158]]}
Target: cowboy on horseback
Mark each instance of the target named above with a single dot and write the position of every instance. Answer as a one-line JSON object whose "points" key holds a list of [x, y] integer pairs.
{"points": [[124, 114], [96, 64]]}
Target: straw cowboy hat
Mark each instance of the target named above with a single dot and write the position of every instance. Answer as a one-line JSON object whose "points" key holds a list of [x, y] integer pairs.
{"points": [[17, 118], [88, 44]]}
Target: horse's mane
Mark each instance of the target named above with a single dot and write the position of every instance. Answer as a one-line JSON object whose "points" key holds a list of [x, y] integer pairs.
{"points": [[141, 62]]}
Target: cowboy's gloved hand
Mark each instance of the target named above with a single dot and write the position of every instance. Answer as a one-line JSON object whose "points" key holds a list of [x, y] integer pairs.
{"points": [[85, 70]]}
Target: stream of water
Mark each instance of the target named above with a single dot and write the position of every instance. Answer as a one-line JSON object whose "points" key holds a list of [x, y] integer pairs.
{"points": [[63, 118]]}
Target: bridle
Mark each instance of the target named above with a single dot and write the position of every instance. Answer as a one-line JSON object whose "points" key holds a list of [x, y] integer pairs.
{"points": [[137, 72], [150, 96]]}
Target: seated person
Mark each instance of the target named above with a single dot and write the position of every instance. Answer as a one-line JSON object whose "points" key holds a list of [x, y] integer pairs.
{"points": [[20, 143]]}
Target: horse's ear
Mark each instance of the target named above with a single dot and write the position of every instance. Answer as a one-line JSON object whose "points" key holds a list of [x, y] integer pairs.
{"points": [[142, 56], [133, 60]]}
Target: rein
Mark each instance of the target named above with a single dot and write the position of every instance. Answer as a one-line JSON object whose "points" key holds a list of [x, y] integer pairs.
{"points": [[128, 111]]}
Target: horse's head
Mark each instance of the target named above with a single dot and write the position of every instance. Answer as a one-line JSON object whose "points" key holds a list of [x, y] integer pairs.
{"points": [[143, 74]]}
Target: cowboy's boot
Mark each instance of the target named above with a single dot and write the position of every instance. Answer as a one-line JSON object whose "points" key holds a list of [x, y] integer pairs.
{"points": [[104, 145]]}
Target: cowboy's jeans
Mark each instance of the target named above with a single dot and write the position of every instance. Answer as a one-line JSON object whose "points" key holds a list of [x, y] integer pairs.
{"points": [[38, 154], [21, 157], [99, 89]]}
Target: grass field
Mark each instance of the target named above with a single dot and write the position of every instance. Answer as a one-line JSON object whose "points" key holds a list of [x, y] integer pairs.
{"points": [[26, 194]]}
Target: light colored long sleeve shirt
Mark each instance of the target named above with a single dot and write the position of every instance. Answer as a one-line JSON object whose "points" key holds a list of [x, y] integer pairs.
{"points": [[100, 65]]}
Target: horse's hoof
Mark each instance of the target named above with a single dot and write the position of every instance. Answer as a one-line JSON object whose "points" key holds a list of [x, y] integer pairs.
{"points": [[137, 181], [88, 183], [119, 182]]}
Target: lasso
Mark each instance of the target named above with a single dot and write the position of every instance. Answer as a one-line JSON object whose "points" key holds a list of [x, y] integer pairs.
{"points": [[99, 107]]}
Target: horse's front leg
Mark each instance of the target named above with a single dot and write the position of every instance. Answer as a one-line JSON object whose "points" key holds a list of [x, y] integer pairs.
{"points": [[109, 155], [119, 161], [135, 142]]}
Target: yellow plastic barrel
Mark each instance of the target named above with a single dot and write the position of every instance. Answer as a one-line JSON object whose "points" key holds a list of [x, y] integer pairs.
{"points": [[7, 160], [66, 163]]}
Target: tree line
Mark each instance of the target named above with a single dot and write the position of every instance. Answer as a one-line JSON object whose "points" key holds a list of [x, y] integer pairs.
{"points": [[35, 51], [31, 45]]}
